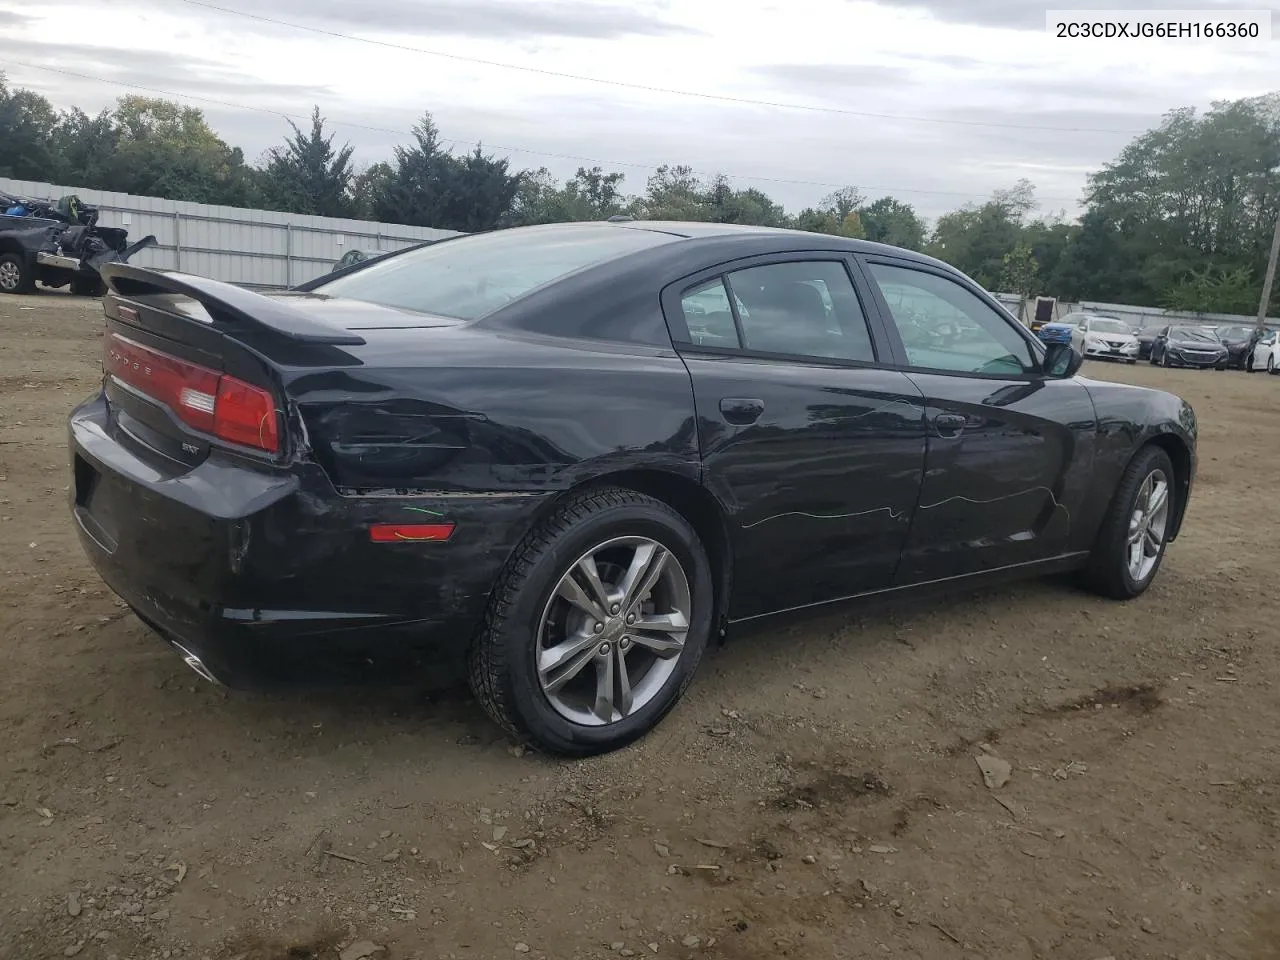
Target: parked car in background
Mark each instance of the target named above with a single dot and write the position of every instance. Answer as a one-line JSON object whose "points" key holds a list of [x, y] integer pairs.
{"points": [[1074, 318], [1147, 334], [1265, 354], [1055, 333], [1105, 338], [1186, 346], [1239, 339], [574, 455]]}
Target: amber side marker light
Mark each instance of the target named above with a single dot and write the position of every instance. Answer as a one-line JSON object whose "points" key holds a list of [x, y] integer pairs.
{"points": [[410, 532]]}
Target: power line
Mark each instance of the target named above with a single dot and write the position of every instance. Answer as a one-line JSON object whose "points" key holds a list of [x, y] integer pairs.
{"points": [[594, 161], [646, 88]]}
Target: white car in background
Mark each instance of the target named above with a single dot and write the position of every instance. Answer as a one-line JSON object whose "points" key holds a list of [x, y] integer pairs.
{"points": [[1266, 354], [1104, 338]]}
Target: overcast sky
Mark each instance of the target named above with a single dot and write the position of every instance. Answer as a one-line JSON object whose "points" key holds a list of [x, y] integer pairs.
{"points": [[969, 95]]}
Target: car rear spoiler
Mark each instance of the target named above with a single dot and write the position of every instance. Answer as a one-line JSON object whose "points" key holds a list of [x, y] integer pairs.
{"points": [[244, 307]]}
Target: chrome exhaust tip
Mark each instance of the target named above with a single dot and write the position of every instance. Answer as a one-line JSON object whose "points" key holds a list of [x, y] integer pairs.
{"points": [[196, 664]]}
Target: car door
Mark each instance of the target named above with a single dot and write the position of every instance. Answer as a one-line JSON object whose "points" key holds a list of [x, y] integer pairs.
{"points": [[815, 452], [1159, 345], [1078, 334], [1009, 452], [1264, 350]]}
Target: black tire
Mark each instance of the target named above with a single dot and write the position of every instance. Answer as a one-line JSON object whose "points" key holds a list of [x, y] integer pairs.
{"points": [[1131, 362], [501, 664], [1164, 359], [1107, 572], [16, 275], [1271, 364], [85, 287]]}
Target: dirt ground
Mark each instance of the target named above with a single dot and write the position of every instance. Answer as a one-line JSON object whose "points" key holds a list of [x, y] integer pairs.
{"points": [[816, 795]]}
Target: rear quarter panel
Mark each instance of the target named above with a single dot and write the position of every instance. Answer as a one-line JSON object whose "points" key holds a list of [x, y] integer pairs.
{"points": [[470, 411]]}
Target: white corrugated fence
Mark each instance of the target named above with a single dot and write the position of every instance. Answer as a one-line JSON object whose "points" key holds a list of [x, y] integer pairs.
{"points": [[257, 248]]}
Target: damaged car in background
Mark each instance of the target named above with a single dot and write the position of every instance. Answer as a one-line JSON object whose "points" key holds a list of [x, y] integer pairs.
{"points": [[58, 244]]}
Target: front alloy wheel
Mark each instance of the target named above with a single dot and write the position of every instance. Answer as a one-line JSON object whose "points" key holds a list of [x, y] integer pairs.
{"points": [[1134, 534], [1147, 525], [613, 630]]}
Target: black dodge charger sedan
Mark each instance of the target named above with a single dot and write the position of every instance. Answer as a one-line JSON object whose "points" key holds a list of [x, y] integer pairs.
{"points": [[572, 456]]}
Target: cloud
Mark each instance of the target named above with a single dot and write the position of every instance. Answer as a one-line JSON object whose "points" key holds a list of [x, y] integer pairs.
{"points": [[914, 62], [835, 77], [508, 20], [1021, 15], [160, 70]]}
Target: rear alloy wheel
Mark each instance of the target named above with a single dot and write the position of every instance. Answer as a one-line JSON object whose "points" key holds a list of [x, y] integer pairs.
{"points": [[585, 656], [1132, 539], [15, 275], [613, 631]]}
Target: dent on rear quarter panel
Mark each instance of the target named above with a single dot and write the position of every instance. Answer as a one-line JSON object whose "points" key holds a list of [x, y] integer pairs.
{"points": [[474, 412]]}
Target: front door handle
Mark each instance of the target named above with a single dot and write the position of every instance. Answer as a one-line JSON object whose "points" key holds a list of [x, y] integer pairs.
{"points": [[949, 424], [741, 411]]}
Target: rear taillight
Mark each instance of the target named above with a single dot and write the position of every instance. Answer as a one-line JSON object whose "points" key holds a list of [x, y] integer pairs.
{"points": [[204, 399]]}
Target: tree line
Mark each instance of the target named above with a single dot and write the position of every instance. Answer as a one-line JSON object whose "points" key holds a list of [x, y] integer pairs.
{"points": [[1182, 218]]}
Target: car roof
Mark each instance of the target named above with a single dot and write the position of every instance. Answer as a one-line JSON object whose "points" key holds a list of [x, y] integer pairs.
{"points": [[785, 238], [616, 294]]}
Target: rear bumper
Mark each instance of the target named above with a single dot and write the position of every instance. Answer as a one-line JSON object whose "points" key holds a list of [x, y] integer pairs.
{"points": [[267, 576]]}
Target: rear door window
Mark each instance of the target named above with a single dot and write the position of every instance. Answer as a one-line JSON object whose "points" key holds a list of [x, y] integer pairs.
{"points": [[801, 308]]}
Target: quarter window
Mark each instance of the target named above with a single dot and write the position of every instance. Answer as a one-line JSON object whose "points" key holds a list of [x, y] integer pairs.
{"points": [[943, 326], [708, 315]]}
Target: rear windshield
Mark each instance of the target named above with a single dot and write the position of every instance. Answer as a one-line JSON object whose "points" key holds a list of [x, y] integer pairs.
{"points": [[471, 276]]}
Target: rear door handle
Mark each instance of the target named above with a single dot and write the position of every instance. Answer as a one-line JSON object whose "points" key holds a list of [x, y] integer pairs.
{"points": [[741, 410], [949, 424]]}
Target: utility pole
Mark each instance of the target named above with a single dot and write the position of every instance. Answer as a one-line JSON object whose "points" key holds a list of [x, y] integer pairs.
{"points": [[1270, 277]]}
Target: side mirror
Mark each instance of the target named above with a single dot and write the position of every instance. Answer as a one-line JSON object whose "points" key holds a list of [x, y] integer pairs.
{"points": [[1061, 361]]}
